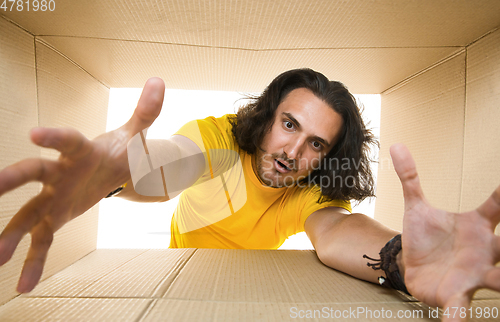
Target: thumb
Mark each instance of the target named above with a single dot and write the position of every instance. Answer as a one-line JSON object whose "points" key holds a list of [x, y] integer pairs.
{"points": [[407, 172], [149, 106], [456, 308]]}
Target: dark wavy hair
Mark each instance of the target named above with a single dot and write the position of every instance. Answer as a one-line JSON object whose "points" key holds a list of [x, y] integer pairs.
{"points": [[351, 182]]}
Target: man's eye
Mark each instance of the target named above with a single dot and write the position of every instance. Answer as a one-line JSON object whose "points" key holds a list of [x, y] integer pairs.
{"points": [[316, 145], [288, 124]]}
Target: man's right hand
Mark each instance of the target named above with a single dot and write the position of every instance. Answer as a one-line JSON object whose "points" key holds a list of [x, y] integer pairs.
{"points": [[85, 172]]}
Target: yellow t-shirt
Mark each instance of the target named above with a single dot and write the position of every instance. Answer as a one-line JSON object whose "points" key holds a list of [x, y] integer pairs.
{"points": [[229, 207]]}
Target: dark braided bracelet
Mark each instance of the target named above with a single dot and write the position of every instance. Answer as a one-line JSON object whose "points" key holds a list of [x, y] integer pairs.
{"points": [[388, 264], [114, 192]]}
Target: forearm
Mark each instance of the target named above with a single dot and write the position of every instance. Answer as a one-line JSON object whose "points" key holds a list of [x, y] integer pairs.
{"points": [[346, 239], [177, 164]]}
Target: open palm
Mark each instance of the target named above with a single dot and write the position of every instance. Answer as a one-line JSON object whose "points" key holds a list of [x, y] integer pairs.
{"points": [[447, 256], [85, 172]]}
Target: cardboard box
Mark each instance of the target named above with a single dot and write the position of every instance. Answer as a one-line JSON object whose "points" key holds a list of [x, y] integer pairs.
{"points": [[212, 285], [435, 63]]}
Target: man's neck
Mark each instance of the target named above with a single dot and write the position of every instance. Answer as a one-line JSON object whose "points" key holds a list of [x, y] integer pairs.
{"points": [[254, 168]]}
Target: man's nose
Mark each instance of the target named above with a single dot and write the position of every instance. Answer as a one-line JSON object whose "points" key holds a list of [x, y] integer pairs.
{"points": [[294, 148]]}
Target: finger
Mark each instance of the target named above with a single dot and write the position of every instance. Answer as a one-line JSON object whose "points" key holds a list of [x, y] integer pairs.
{"points": [[22, 223], [492, 279], [25, 171], [68, 141], [454, 308], [491, 207], [496, 249], [149, 106], [407, 172], [41, 239]]}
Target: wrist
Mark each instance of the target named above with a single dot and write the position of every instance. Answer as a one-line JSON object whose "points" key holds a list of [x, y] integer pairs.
{"points": [[400, 263], [116, 191], [389, 263]]}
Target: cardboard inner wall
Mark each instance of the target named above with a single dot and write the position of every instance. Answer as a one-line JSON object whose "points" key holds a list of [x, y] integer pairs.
{"points": [[221, 68], [481, 171], [56, 72], [39, 87], [448, 117], [242, 45]]}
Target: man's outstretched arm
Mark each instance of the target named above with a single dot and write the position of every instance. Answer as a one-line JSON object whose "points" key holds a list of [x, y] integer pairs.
{"points": [[85, 172], [445, 256], [183, 163], [341, 240]]}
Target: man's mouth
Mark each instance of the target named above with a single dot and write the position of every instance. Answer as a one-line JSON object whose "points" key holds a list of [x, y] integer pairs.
{"points": [[282, 166]]}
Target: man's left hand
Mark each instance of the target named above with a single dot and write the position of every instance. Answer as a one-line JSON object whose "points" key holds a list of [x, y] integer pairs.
{"points": [[446, 256]]}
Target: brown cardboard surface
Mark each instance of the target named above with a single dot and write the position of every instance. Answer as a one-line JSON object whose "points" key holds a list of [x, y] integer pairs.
{"points": [[41, 87], [18, 114], [77, 277], [269, 276], [259, 24], [193, 310], [73, 241], [481, 174], [426, 114], [368, 45], [18, 110], [147, 275], [65, 85], [484, 294], [211, 285], [221, 68], [476, 165], [73, 309], [116, 273], [79, 235]]}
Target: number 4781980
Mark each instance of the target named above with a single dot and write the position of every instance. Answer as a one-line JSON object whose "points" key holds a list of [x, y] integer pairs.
{"points": [[28, 5]]}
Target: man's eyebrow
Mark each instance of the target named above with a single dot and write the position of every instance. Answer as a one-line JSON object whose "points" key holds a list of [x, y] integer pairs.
{"points": [[294, 120], [321, 140]]}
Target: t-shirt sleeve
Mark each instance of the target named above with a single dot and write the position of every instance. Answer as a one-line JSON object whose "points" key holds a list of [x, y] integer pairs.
{"points": [[211, 135], [310, 204]]}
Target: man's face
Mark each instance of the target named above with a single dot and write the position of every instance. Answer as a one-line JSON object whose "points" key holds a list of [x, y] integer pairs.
{"points": [[305, 129]]}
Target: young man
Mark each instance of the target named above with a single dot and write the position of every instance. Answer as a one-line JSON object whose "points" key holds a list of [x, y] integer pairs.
{"points": [[298, 148], [280, 144]]}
